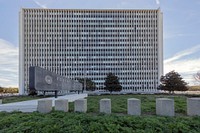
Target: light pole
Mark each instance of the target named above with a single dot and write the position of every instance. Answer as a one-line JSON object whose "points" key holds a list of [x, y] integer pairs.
{"points": [[85, 62], [84, 79]]}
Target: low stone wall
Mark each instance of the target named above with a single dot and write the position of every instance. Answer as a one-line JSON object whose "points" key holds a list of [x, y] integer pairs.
{"points": [[164, 106]]}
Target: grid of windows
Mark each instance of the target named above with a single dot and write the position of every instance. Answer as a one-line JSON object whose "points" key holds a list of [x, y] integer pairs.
{"points": [[92, 43]]}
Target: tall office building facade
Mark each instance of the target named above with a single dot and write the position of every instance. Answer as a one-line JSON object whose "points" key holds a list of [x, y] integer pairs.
{"points": [[79, 43]]}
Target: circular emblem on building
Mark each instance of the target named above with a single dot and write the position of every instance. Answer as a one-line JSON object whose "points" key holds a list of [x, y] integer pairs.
{"points": [[48, 79]]}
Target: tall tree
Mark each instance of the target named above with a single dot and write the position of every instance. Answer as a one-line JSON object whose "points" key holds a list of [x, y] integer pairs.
{"points": [[90, 85], [172, 81], [112, 83]]}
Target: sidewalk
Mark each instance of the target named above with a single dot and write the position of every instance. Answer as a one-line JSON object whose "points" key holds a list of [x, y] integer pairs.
{"points": [[31, 105]]}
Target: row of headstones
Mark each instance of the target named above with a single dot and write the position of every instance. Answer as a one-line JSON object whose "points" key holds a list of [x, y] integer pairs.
{"points": [[164, 106]]}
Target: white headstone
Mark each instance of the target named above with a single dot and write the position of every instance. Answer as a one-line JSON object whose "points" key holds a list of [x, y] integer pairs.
{"points": [[165, 107], [105, 106], [44, 106], [134, 106], [61, 105], [80, 105], [193, 106]]}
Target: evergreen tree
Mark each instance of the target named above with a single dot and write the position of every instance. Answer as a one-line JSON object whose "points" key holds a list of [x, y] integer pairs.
{"points": [[172, 81], [112, 83], [90, 85]]}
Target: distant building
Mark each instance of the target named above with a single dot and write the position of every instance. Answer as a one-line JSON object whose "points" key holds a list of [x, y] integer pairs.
{"points": [[79, 43]]}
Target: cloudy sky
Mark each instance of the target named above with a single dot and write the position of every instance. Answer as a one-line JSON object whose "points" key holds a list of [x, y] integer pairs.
{"points": [[181, 31]]}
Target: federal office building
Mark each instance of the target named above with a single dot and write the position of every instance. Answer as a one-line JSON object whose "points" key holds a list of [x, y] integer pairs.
{"points": [[90, 43]]}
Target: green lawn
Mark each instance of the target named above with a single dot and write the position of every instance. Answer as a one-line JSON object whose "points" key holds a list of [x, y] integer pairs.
{"points": [[12, 99], [119, 103], [95, 122], [148, 103]]}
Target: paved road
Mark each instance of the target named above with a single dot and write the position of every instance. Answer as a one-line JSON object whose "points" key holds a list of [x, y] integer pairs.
{"points": [[31, 105]]}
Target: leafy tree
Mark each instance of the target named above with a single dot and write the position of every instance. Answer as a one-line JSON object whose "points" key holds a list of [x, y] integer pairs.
{"points": [[90, 85], [10, 90], [171, 82], [112, 83], [1, 89]]}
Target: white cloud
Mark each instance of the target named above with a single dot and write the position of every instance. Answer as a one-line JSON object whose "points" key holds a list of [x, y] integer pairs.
{"points": [[183, 53], [158, 2], [171, 35], [186, 67], [8, 64], [40, 5]]}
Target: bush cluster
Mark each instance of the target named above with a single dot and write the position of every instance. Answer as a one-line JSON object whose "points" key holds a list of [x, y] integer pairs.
{"points": [[60, 122], [9, 90]]}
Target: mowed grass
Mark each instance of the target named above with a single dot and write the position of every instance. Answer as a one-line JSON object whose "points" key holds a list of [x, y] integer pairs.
{"points": [[148, 103], [118, 102], [12, 99]]}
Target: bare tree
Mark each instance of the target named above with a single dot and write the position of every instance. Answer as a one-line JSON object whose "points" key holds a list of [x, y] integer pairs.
{"points": [[197, 76]]}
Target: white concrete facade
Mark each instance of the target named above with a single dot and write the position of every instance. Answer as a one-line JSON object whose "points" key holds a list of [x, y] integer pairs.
{"points": [[79, 43]]}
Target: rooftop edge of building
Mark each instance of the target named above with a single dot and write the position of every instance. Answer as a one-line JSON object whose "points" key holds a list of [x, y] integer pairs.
{"points": [[111, 9]]}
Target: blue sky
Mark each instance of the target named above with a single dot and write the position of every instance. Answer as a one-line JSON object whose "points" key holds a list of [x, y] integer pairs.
{"points": [[181, 31]]}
